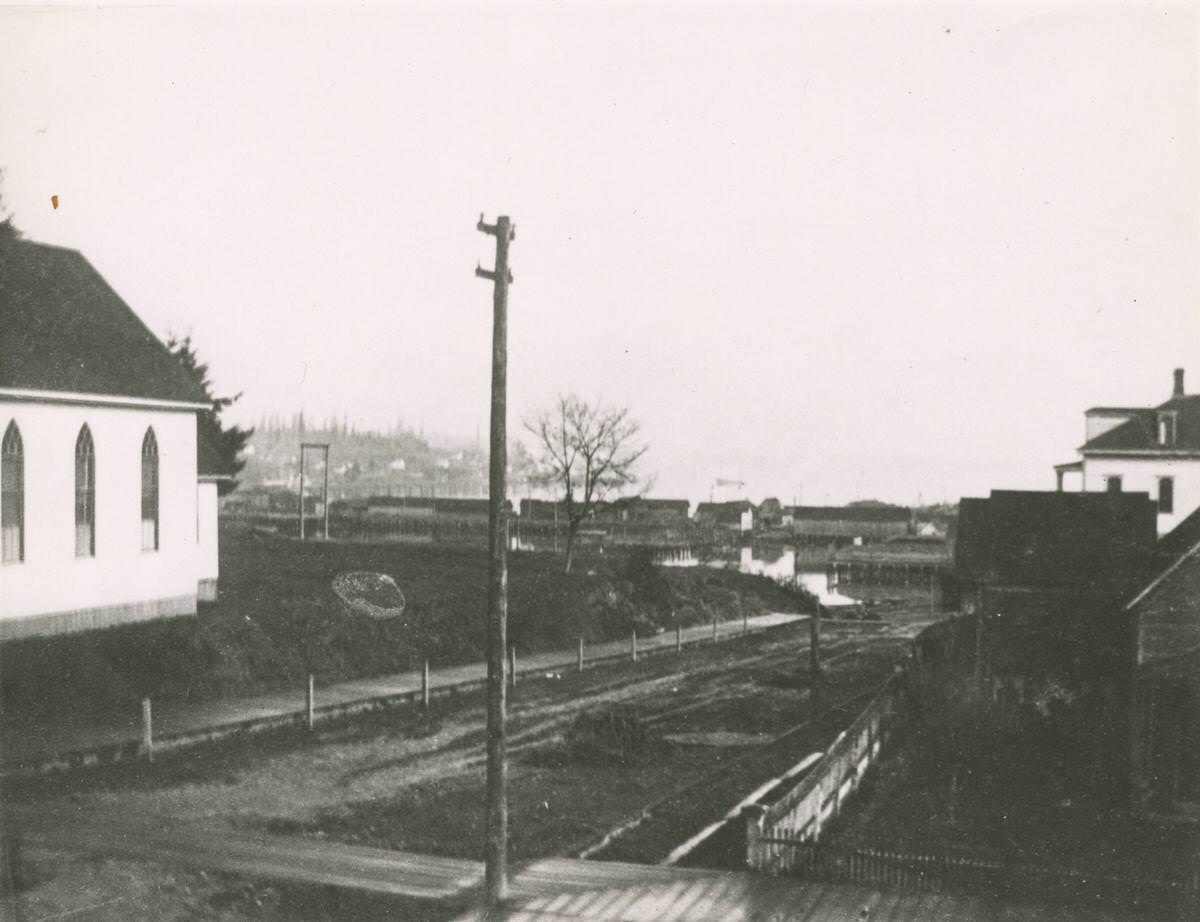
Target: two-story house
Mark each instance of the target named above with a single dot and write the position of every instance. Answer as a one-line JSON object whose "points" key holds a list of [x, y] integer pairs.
{"points": [[1154, 450]]}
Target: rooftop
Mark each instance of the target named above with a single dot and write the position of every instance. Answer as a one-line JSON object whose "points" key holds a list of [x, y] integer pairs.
{"points": [[66, 330], [1098, 541], [1141, 433]]}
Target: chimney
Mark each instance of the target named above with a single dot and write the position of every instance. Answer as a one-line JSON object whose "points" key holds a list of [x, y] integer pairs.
{"points": [[1178, 383]]}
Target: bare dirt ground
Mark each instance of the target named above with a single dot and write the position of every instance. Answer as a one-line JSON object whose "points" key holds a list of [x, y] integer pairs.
{"points": [[411, 780]]}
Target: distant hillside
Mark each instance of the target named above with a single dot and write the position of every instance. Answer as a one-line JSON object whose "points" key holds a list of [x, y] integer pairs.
{"points": [[363, 463]]}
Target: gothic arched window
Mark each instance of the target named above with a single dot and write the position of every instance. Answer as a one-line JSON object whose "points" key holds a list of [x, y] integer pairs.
{"points": [[12, 495], [85, 494], [149, 492]]}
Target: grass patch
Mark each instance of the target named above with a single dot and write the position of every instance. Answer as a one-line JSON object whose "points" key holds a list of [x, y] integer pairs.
{"points": [[278, 619]]}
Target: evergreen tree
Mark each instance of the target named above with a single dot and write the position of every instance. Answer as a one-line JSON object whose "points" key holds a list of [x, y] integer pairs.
{"points": [[229, 441]]}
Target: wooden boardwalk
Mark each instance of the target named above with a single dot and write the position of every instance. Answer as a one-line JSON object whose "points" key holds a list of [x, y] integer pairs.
{"points": [[551, 890]]}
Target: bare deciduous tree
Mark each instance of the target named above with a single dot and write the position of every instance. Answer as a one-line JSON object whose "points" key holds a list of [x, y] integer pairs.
{"points": [[586, 450]]}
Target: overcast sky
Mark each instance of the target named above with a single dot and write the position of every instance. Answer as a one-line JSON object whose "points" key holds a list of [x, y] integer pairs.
{"points": [[837, 252]]}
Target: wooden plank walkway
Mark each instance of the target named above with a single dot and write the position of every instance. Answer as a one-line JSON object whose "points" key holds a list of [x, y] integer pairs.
{"points": [[25, 745], [551, 890]]}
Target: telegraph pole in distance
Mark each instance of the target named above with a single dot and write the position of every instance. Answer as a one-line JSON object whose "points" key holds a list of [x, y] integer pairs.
{"points": [[496, 851]]}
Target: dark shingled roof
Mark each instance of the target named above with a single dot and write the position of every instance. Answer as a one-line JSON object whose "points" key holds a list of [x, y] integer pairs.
{"points": [[1102, 541], [65, 329], [1140, 432]]}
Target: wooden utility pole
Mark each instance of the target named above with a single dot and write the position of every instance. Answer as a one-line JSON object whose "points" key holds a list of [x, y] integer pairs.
{"points": [[496, 846]]}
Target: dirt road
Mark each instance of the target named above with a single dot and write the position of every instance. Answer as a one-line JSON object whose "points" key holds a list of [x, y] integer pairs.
{"points": [[410, 780]]}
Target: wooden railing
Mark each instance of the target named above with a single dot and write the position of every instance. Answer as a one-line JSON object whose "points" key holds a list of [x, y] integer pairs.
{"points": [[801, 814]]}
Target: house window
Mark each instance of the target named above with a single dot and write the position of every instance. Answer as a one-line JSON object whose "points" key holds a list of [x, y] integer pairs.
{"points": [[85, 494], [1166, 494], [149, 492], [1166, 429], [12, 495], [1113, 483]]}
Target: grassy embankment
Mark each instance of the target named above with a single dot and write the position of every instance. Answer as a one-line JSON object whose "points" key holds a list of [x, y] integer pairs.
{"points": [[278, 619]]}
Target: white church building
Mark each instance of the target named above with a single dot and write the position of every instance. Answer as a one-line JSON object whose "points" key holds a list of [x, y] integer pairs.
{"points": [[108, 503], [1154, 450]]}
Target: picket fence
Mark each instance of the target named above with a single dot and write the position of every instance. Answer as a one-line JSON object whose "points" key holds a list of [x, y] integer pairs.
{"points": [[800, 815], [996, 878]]}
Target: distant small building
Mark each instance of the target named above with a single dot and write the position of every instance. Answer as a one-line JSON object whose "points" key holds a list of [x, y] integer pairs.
{"points": [[907, 560], [640, 510], [735, 516], [770, 513], [821, 524], [1155, 450], [473, 511]]}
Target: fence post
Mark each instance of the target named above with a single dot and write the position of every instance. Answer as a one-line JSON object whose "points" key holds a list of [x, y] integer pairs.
{"points": [[817, 814], [745, 622], [425, 685], [147, 730], [310, 717], [581, 653], [512, 665], [752, 818], [633, 646], [678, 638], [714, 628]]}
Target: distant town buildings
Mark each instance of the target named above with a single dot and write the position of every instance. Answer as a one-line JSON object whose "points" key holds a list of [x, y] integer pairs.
{"points": [[109, 497], [1153, 450]]}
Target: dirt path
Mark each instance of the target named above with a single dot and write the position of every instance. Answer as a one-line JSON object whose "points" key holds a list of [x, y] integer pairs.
{"points": [[409, 780], [25, 742]]}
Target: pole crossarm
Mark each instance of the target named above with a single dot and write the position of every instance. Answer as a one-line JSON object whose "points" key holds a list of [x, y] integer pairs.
{"points": [[491, 276], [498, 228]]}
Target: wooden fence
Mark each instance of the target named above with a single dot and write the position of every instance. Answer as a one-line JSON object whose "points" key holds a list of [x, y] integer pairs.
{"points": [[997, 877], [785, 838], [800, 815]]}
